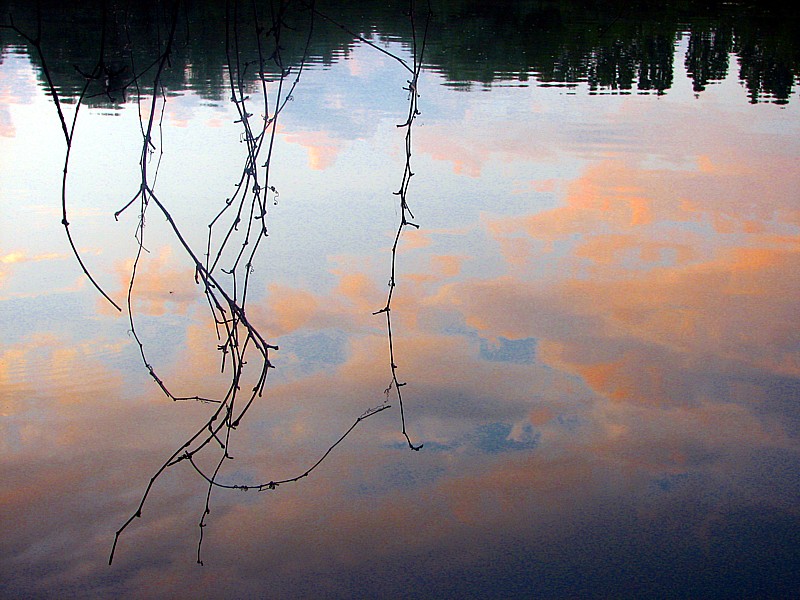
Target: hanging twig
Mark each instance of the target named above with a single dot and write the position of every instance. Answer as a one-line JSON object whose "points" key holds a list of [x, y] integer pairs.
{"points": [[68, 131], [406, 215], [235, 233]]}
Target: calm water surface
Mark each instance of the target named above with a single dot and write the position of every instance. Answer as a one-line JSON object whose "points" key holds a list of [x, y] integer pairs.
{"points": [[597, 321]]}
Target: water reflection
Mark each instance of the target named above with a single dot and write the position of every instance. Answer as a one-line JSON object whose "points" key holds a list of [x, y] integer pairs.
{"points": [[596, 319], [561, 43]]}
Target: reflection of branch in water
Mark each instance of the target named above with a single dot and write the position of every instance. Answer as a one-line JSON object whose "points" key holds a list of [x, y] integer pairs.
{"points": [[405, 212], [235, 234], [272, 484], [237, 335], [68, 131], [361, 38]]}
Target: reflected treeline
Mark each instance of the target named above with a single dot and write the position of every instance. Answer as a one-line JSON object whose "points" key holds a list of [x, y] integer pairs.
{"points": [[612, 45]]}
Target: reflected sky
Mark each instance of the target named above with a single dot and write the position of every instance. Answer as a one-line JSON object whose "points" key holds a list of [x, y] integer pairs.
{"points": [[597, 321]]}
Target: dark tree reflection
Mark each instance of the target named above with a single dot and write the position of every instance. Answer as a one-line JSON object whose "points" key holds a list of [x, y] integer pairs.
{"points": [[707, 55], [610, 45]]}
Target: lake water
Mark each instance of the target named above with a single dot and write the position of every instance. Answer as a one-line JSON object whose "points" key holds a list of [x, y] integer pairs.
{"points": [[597, 318]]}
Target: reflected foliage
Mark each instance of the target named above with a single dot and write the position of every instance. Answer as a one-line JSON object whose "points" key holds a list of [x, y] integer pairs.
{"points": [[611, 46]]}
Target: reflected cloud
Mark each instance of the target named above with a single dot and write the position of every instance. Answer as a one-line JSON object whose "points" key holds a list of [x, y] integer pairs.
{"points": [[290, 310], [18, 265], [636, 301], [161, 284], [322, 149], [640, 338], [21, 257], [470, 149], [46, 365]]}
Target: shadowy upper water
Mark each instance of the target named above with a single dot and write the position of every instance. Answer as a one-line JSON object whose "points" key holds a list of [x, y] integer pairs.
{"points": [[618, 46]]}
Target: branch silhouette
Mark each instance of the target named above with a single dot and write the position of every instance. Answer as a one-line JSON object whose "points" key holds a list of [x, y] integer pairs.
{"points": [[67, 130], [406, 215], [224, 264]]}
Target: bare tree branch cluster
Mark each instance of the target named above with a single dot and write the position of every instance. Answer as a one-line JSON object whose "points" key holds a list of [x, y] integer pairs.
{"points": [[235, 234]]}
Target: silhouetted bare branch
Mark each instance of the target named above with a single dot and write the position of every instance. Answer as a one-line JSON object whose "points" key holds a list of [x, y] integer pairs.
{"points": [[68, 131], [223, 268], [406, 215]]}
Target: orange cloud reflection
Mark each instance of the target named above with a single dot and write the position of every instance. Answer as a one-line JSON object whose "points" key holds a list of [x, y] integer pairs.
{"points": [[160, 284], [635, 303], [322, 149]]}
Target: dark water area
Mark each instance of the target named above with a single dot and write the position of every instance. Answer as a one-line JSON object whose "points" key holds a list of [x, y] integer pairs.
{"points": [[611, 46]]}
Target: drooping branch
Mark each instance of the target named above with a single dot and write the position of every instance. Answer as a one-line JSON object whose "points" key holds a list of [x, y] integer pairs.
{"points": [[406, 215], [223, 268], [274, 483], [68, 130]]}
